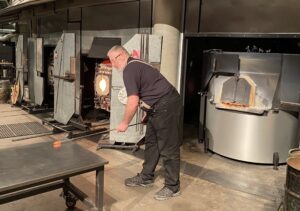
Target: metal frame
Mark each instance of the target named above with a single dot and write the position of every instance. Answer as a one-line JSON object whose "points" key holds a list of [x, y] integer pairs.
{"points": [[64, 183], [17, 186], [36, 109], [133, 147], [243, 35], [71, 127]]}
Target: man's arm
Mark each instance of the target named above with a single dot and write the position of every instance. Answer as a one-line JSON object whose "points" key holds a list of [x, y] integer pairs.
{"points": [[130, 109]]}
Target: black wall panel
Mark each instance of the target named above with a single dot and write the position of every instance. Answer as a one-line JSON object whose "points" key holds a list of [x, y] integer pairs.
{"points": [[53, 23], [111, 17], [255, 16], [192, 13], [145, 13], [64, 4], [74, 14]]}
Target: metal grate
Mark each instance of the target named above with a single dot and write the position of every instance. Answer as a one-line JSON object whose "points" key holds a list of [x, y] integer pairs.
{"points": [[36, 127], [21, 129], [5, 132]]}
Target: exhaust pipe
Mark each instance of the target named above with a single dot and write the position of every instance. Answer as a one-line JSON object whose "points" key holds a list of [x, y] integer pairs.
{"points": [[6, 37]]}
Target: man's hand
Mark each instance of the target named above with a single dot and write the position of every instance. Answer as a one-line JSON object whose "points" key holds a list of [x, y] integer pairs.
{"points": [[122, 127], [130, 109]]}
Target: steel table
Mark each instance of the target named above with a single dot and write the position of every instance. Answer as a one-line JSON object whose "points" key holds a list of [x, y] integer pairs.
{"points": [[38, 168]]}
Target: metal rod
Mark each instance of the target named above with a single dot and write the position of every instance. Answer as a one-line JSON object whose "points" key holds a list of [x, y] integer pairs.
{"points": [[55, 126], [31, 191], [32, 136], [290, 103], [99, 188], [111, 146], [99, 133]]}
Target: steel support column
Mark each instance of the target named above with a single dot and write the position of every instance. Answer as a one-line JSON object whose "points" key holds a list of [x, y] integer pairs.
{"points": [[167, 22]]}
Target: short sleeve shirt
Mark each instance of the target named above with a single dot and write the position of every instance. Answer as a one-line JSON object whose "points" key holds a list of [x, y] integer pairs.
{"points": [[141, 79]]}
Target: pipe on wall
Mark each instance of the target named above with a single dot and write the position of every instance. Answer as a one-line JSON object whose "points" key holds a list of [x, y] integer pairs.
{"points": [[6, 37]]}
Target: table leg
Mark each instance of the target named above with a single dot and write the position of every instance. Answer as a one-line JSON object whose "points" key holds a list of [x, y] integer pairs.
{"points": [[99, 188]]}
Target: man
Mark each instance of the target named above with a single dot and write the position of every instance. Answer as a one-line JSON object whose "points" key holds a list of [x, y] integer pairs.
{"points": [[162, 103]]}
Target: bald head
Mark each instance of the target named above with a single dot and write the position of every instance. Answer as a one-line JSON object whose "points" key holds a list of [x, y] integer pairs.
{"points": [[118, 57], [117, 49]]}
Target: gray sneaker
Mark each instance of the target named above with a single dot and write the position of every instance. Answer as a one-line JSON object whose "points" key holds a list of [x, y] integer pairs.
{"points": [[138, 181], [166, 193]]}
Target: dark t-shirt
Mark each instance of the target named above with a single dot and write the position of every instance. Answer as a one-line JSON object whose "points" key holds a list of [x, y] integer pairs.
{"points": [[141, 79]]}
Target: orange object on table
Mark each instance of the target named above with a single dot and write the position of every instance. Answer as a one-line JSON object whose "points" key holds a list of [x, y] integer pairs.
{"points": [[57, 144]]}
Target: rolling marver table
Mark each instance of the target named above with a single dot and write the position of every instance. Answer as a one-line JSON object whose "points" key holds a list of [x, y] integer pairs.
{"points": [[33, 169]]}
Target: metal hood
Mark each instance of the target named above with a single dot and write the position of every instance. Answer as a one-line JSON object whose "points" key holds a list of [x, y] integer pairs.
{"points": [[101, 45]]}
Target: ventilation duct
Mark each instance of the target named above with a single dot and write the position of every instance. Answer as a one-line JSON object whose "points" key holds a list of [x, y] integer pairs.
{"points": [[6, 37]]}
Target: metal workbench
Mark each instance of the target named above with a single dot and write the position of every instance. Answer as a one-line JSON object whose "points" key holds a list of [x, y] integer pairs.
{"points": [[38, 168]]}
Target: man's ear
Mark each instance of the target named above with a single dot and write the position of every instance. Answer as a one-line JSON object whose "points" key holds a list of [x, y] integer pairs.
{"points": [[136, 54]]}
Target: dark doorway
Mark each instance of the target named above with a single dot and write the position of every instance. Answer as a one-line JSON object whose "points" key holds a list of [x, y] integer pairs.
{"points": [[48, 76], [7, 52]]}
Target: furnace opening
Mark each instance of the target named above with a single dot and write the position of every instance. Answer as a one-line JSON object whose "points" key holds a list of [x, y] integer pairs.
{"points": [[194, 65], [89, 76]]}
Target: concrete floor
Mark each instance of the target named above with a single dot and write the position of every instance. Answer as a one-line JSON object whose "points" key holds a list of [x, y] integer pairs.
{"points": [[208, 181]]}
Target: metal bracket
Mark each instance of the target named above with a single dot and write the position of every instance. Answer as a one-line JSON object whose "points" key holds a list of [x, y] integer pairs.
{"points": [[69, 77]]}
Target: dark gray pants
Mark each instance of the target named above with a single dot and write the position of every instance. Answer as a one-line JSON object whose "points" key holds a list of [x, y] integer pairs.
{"points": [[163, 139]]}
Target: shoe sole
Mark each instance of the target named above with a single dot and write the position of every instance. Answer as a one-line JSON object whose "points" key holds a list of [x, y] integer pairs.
{"points": [[143, 185], [159, 198]]}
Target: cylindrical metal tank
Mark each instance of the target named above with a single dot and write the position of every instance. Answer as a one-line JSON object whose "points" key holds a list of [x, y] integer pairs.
{"points": [[250, 137], [244, 119], [292, 185]]}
